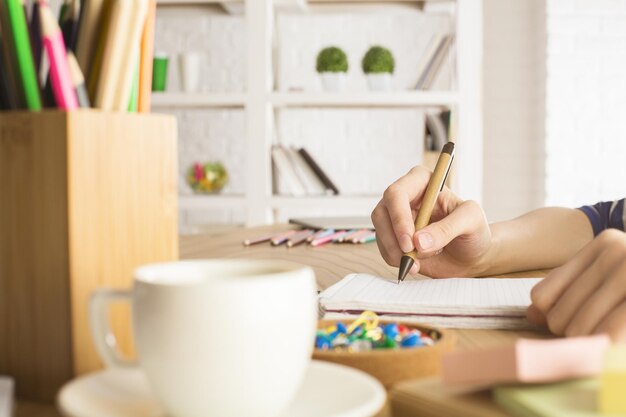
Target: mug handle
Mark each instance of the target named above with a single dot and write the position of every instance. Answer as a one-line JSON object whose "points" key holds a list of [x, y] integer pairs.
{"points": [[103, 337]]}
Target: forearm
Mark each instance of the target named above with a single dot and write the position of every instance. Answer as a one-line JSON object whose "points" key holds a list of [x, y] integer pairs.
{"points": [[544, 238]]}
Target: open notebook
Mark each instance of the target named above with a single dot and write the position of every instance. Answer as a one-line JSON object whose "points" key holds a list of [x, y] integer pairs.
{"points": [[478, 303]]}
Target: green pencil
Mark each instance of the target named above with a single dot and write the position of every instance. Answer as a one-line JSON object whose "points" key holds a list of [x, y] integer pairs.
{"points": [[23, 53]]}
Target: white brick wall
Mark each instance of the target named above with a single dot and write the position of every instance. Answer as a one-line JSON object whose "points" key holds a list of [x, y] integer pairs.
{"points": [[585, 101], [513, 80]]}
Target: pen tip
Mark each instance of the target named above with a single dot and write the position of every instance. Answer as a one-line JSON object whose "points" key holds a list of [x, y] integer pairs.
{"points": [[405, 266]]}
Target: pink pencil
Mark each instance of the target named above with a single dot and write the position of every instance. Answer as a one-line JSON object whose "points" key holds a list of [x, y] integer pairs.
{"points": [[256, 240], [60, 78], [282, 238], [358, 236], [327, 239], [299, 238]]}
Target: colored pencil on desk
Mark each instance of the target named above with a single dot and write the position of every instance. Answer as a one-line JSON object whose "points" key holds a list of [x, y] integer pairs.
{"points": [[69, 24], [256, 240], [357, 236], [130, 54], [320, 233], [299, 237], [60, 78], [23, 54], [369, 237], [90, 25], [281, 238], [35, 37], [327, 239], [145, 61], [7, 97], [78, 80]]}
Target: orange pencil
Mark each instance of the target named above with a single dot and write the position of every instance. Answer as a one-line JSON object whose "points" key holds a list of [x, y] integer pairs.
{"points": [[145, 62], [60, 78]]}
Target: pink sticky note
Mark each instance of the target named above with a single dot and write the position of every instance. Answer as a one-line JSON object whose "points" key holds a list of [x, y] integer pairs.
{"points": [[527, 361]]}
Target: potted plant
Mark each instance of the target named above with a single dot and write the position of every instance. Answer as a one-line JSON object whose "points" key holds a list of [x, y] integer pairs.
{"points": [[378, 64], [332, 65]]}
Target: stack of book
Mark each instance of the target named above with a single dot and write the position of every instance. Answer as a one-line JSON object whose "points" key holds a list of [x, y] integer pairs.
{"points": [[433, 59], [96, 54], [296, 173]]}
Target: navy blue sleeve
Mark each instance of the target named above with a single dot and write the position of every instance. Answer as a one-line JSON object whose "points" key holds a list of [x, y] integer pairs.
{"points": [[605, 215]]}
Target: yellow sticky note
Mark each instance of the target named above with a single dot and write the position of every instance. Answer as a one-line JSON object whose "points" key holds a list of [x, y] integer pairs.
{"points": [[612, 395]]}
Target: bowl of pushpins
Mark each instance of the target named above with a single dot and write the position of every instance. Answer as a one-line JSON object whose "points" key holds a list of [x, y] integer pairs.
{"points": [[208, 177], [389, 351]]}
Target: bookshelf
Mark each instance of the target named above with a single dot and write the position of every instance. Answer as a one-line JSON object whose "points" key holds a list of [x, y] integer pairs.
{"points": [[261, 103]]}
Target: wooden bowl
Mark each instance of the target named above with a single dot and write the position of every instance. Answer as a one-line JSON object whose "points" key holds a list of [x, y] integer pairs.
{"points": [[392, 365]]}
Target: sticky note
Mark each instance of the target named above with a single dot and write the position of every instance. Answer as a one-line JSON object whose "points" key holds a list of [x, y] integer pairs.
{"points": [[612, 396], [527, 361]]}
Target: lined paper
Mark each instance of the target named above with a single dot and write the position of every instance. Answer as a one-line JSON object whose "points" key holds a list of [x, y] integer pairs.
{"points": [[450, 302]]}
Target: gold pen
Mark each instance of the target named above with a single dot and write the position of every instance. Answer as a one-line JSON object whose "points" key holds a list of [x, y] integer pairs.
{"points": [[435, 185]]}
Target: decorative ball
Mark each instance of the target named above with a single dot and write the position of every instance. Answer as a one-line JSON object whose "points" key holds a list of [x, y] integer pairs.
{"points": [[210, 177]]}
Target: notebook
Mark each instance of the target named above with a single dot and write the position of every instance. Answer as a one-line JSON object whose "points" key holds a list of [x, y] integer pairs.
{"points": [[565, 399], [337, 223], [478, 303]]}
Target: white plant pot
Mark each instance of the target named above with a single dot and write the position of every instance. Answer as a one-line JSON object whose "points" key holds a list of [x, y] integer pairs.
{"points": [[333, 81], [379, 82]]}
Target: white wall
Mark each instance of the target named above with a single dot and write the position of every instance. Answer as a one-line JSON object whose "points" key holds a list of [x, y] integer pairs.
{"points": [[513, 82], [586, 101]]}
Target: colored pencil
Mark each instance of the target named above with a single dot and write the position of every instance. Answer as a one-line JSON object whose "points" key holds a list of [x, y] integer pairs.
{"points": [[23, 54], [7, 97], [69, 24], [320, 233], [358, 236], [102, 36], [60, 78], [134, 92], [370, 237], [35, 37], [256, 240], [299, 238], [90, 25], [113, 57], [145, 62], [130, 54], [78, 80], [327, 239], [10, 64], [281, 238]]}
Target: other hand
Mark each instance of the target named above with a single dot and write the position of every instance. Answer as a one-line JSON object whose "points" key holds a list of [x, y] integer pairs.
{"points": [[586, 295]]}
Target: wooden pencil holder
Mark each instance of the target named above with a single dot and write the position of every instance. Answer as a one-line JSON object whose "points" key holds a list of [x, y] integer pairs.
{"points": [[86, 197]]}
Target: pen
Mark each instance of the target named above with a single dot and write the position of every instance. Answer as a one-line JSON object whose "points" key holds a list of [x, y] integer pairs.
{"points": [[435, 185]]}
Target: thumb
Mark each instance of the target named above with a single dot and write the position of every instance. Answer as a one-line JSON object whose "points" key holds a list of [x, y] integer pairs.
{"points": [[466, 218]]}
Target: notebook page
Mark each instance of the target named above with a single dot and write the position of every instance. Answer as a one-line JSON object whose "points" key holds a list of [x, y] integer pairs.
{"points": [[500, 297]]}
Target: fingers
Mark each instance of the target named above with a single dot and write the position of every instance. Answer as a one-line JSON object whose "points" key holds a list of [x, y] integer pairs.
{"points": [[464, 219], [397, 200], [386, 239], [587, 293]]}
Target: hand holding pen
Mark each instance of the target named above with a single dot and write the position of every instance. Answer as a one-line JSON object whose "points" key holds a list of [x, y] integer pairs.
{"points": [[452, 241]]}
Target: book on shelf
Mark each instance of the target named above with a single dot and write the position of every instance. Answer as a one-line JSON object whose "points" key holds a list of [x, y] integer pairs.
{"points": [[437, 129], [297, 173], [6, 396], [433, 60]]}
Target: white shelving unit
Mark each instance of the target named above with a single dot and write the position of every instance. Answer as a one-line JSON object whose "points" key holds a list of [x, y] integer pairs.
{"points": [[261, 101]]}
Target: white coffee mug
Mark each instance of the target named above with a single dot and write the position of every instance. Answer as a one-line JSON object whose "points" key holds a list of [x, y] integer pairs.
{"points": [[217, 337]]}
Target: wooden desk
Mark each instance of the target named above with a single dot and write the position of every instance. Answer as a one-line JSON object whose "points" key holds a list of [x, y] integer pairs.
{"points": [[331, 263]]}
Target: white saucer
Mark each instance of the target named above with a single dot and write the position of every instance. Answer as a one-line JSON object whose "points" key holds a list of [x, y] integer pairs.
{"points": [[328, 390]]}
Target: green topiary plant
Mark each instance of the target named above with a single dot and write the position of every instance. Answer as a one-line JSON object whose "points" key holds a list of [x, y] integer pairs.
{"points": [[332, 59], [378, 60]]}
